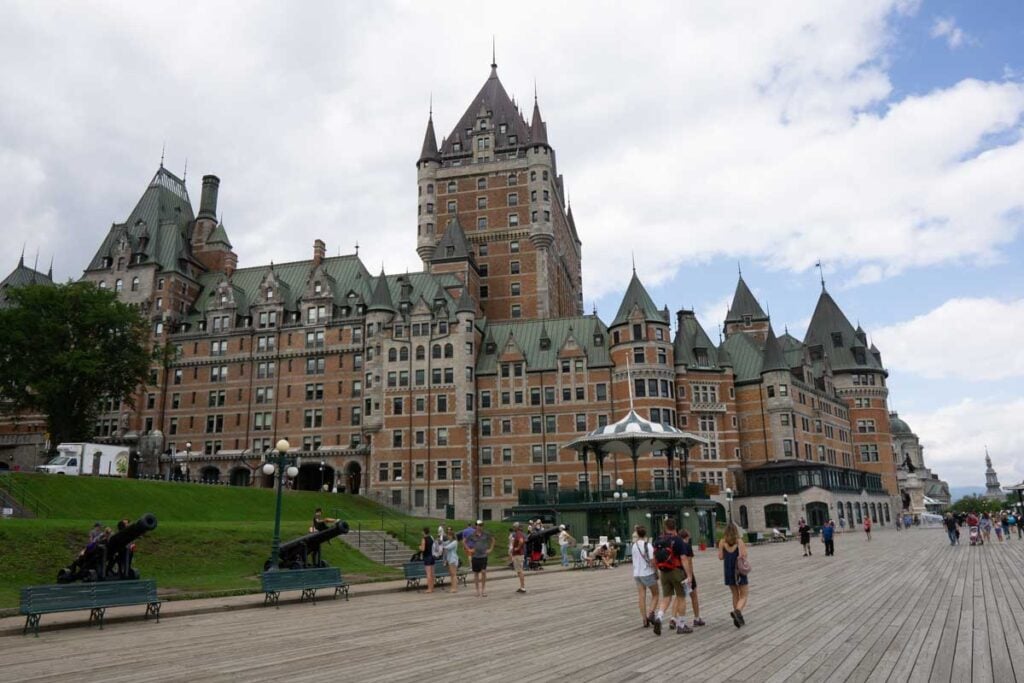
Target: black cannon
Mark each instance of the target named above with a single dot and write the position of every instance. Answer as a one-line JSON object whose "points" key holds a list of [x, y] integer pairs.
{"points": [[535, 543], [304, 551], [109, 559]]}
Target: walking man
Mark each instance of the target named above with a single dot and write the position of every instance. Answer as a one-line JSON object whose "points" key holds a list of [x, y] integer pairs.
{"points": [[565, 539], [668, 558], [518, 555], [950, 524], [688, 567], [827, 533], [478, 546]]}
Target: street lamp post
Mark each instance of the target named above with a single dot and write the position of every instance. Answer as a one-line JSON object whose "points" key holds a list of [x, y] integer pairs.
{"points": [[621, 496], [280, 459], [184, 465], [728, 497], [785, 501], [322, 463]]}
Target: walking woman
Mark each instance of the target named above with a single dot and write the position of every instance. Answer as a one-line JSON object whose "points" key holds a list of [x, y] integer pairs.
{"points": [[986, 527], [645, 576], [805, 536], [730, 549], [450, 543], [427, 551]]}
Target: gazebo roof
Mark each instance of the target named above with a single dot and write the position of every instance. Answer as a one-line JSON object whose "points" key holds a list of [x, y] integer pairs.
{"points": [[635, 433]]}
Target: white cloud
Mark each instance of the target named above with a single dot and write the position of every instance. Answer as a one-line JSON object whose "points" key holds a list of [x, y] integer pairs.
{"points": [[946, 27], [711, 314], [966, 339], [789, 150], [955, 437]]}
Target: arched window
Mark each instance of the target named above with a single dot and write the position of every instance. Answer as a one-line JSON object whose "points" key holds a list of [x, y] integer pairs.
{"points": [[743, 517], [435, 352], [839, 507], [886, 512], [103, 285], [430, 188], [135, 284], [874, 513], [118, 285], [403, 354], [449, 351], [421, 353], [392, 355]]}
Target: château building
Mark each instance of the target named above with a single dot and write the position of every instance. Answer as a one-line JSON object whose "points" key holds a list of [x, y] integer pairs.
{"points": [[461, 383]]}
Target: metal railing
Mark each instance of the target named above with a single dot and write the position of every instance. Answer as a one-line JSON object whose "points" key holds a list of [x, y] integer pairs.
{"points": [[574, 497], [18, 492]]}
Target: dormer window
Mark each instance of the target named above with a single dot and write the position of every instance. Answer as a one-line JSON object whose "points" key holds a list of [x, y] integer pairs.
{"points": [[270, 294], [837, 339], [512, 139], [318, 288], [223, 298], [545, 344], [483, 124], [747, 320], [456, 147], [490, 347], [503, 128]]}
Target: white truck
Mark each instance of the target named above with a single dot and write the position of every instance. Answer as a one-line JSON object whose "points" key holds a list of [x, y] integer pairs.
{"points": [[74, 459]]}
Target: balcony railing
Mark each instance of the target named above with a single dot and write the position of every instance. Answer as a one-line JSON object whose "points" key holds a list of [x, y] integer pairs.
{"points": [[707, 407], [575, 497]]}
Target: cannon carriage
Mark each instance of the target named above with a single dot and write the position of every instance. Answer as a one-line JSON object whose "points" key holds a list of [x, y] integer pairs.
{"points": [[304, 552], [109, 559]]}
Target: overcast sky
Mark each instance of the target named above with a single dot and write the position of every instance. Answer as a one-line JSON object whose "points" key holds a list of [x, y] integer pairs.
{"points": [[882, 137]]}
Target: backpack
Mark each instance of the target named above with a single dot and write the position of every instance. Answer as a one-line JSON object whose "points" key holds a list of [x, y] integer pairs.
{"points": [[437, 550], [665, 557]]}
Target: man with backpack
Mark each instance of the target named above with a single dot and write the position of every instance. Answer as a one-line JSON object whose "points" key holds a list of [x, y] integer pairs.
{"points": [[669, 551]]}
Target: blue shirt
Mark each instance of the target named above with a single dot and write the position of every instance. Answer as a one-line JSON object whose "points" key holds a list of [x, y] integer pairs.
{"points": [[826, 532]]}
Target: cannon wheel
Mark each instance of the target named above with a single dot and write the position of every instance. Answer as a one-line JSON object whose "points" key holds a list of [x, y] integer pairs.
{"points": [[64, 575], [90, 576]]}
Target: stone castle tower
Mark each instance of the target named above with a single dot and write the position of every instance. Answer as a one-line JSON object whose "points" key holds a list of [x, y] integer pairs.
{"points": [[495, 176]]}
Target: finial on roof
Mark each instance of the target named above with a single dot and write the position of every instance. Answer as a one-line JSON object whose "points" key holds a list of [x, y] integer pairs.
{"points": [[494, 59], [739, 269], [184, 174], [35, 266], [535, 90], [821, 274], [632, 256], [767, 308], [163, 148], [49, 273], [21, 261], [357, 247]]}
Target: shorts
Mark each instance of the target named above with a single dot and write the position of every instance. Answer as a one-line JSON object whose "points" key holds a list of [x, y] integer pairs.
{"points": [[646, 581], [517, 562], [672, 583], [429, 561], [479, 564]]}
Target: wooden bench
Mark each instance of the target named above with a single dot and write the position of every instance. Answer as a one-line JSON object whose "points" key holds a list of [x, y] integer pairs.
{"points": [[417, 571], [309, 581], [95, 597]]}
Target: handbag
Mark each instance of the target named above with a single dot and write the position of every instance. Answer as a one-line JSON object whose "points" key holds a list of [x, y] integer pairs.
{"points": [[742, 565]]}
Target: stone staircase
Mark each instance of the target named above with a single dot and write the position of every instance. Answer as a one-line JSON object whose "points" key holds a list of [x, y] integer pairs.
{"points": [[379, 546]]}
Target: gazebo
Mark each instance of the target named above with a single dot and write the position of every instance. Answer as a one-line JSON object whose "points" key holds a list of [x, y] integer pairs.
{"points": [[635, 436]]}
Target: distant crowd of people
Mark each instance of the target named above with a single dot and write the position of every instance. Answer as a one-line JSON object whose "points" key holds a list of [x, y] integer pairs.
{"points": [[980, 527]]}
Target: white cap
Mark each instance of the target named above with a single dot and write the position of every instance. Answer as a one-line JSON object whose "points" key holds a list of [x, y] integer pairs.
{"points": [[562, 527], [479, 522]]}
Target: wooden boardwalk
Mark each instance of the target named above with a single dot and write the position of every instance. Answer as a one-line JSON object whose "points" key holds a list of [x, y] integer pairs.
{"points": [[904, 607]]}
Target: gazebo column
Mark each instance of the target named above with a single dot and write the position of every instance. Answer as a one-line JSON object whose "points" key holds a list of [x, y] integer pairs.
{"points": [[670, 453], [686, 467], [633, 446], [586, 473], [599, 455]]}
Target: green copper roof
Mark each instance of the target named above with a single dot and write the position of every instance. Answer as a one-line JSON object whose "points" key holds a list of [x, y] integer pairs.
{"points": [[527, 335], [830, 329], [219, 236], [637, 297], [381, 298], [774, 359], [746, 357], [689, 337], [156, 227], [744, 304], [19, 277], [453, 244]]}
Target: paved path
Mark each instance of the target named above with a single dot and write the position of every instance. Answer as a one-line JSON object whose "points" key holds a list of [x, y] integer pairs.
{"points": [[905, 606]]}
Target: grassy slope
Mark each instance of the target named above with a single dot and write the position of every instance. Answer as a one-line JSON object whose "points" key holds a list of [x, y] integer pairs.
{"points": [[208, 539]]}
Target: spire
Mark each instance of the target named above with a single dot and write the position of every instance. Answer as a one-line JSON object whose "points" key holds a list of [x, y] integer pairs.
{"points": [[494, 58], [21, 259], [429, 151], [637, 296], [538, 131], [381, 297], [465, 303], [453, 243], [163, 148], [744, 304], [49, 273], [821, 274], [774, 359]]}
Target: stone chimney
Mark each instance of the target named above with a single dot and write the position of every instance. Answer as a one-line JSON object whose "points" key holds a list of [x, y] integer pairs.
{"points": [[208, 199], [319, 252]]}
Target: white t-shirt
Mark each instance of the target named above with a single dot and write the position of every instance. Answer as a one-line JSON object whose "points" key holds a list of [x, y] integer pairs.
{"points": [[563, 538], [643, 558]]}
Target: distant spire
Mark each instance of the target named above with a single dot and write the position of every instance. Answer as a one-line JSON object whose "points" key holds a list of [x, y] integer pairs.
{"points": [[494, 58], [35, 266], [184, 174], [632, 256], [821, 274], [21, 260], [49, 273], [739, 269], [163, 148]]}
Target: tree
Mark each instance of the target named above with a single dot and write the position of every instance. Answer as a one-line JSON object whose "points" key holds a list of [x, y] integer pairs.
{"points": [[65, 348], [976, 503]]}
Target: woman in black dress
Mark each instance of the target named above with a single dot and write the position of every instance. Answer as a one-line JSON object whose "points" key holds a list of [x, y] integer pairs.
{"points": [[730, 549]]}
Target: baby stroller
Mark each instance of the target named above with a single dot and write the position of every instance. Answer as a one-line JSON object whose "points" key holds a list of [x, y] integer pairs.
{"points": [[976, 536]]}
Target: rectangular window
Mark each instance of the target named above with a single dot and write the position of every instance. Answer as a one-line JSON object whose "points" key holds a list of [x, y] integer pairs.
{"points": [[581, 422], [442, 436], [485, 455]]}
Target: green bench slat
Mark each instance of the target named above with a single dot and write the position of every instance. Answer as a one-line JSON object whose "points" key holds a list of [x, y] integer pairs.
{"points": [[97, 596], [307, 580]]}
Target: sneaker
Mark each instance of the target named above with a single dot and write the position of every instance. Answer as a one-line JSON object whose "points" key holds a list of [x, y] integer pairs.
{"points": [[739, 615], [657, 627], [699, 622], [671, 624], [735, 619], [684, 628], [650, 616], [520, 590]]}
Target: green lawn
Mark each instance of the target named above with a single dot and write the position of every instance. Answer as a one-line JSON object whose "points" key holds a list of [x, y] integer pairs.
{"points": [[208, 539]]}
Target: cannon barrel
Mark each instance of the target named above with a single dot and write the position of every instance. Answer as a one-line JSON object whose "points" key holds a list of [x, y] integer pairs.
{"points": [[543, 536], [305, 550], [123, 537]]}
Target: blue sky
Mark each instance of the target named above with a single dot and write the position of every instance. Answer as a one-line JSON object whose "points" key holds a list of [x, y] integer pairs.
{"points": [[882, 137]]}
